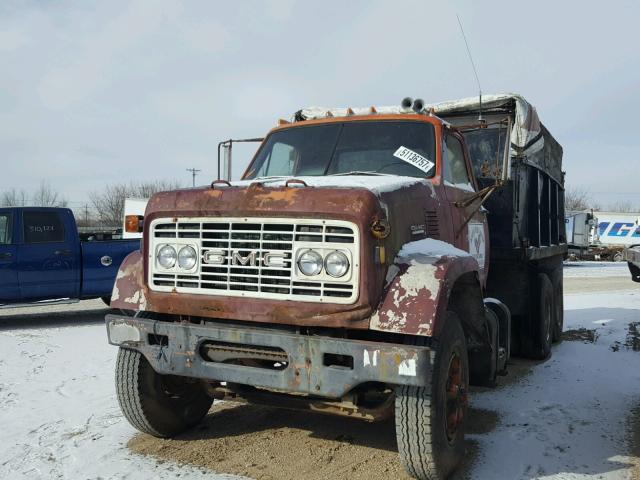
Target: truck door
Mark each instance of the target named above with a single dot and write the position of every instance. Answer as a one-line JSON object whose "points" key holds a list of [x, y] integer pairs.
{"points": [[49, 257], [469, 223], [9, 291]]}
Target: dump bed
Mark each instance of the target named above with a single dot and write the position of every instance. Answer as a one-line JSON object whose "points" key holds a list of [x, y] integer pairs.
{"points": [[526, 214]]}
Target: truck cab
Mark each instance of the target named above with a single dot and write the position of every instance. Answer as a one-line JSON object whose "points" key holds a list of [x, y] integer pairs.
{"points": [[345, 273]]}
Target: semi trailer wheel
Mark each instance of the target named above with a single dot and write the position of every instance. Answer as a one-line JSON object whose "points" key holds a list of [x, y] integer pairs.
{"points": [[160, 405], [537, 339], [430, 421]]}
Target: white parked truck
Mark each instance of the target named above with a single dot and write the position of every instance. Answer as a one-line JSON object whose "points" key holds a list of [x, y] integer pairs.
{"points": [[602, 235]]}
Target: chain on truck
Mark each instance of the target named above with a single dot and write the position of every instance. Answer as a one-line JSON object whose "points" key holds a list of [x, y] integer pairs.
{"points": [[372, 262]]}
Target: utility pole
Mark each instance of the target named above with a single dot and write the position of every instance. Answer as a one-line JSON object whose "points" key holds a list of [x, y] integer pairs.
{"points": [[194, 172], [86, 214]]}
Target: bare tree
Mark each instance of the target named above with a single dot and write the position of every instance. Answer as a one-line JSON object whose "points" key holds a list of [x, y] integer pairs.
{"points": [[109, 203], [13, 198], [85, 216], [46, 196], [147, 189], [577, 199], [622, 206]]}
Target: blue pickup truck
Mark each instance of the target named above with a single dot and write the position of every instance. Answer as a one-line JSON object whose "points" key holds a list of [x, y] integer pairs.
{"points": [[42, 258]]}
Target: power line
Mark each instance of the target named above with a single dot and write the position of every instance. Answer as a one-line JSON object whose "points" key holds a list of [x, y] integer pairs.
{"points": [[194, 172]]}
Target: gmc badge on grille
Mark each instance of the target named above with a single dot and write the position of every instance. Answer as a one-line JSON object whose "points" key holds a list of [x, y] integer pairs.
{"points": [[269, 259]]}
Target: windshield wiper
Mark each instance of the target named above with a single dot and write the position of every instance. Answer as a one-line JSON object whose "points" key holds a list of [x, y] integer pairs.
{"points": [[361, 172]]}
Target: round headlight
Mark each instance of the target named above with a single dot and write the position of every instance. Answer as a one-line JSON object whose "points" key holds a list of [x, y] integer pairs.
{"points": [[336, 264], [167, 256], [310, 263], [187, 257]]}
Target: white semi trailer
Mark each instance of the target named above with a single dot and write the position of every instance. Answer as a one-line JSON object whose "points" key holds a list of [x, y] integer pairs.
{"points": [[601, 235]]}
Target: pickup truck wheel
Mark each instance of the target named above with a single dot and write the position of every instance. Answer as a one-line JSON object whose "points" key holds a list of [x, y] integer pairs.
{"points": [[160, 405], [536, 340], [430, 421]]}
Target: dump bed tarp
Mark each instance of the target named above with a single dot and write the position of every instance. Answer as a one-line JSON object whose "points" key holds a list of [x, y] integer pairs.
{"points": [[526, 130], [530, 140]]}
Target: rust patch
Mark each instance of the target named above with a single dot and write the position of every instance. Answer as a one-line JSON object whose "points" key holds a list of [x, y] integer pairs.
{"points": [[418, 294], [129, 292], [213, 193]]}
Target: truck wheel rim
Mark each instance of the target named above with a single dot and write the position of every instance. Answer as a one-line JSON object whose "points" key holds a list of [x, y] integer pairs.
{"points": [[456, 397]]}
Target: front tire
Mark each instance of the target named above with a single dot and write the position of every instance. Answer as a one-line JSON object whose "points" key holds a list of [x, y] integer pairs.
{"points": [[160, 405], [430, 421]]}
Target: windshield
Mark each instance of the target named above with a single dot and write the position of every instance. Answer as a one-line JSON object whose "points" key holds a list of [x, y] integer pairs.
{"points": [[385, 147]]}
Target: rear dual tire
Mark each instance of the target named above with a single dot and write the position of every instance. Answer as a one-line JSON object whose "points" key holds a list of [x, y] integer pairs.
{"points": [[538, 337], [160, 405]]}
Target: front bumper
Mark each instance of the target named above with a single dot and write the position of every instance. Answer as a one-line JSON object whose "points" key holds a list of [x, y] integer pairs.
{"points": [[175, 348]]}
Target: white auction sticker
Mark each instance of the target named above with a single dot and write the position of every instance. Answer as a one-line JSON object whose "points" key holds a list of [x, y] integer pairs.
{"points": [[415, 159]]}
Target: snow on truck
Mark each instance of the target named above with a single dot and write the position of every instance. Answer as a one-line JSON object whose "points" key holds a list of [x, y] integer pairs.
{"points": [[372, 262]]}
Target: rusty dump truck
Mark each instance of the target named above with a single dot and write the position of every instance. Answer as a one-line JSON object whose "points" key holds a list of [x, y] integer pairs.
{"points": [[371, 262]]}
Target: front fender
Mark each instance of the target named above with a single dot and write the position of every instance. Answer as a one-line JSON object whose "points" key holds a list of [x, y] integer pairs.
{"points": [[418, 292], [129, 291]]}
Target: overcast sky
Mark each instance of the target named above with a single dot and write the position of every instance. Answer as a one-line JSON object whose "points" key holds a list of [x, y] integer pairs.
{"points": [[101, 92]]}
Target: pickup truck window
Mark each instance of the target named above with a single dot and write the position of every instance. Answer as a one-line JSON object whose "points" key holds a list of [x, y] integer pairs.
{"points": [[5, 229], [43, 227], [345, 147]]}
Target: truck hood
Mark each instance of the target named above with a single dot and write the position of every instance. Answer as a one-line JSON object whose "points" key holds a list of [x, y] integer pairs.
{"points": [[273, 194], [377, 184], [359, 199]]}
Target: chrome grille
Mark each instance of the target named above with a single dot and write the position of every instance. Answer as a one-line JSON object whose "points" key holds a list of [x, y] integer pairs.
{"points": [[245, 251]]}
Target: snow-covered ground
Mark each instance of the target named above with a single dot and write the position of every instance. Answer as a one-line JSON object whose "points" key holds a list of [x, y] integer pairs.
{"points": [[59, 417], [596, 269], [569, 417]]}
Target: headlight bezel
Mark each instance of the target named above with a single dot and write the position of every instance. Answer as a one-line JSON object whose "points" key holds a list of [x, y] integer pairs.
{"points": [[322, 275]]}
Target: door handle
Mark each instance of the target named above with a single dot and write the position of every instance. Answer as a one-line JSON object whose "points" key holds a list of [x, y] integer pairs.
{"points": [[62, 252], [6, 255]]}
